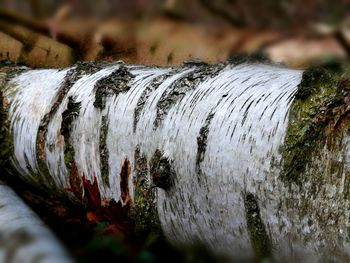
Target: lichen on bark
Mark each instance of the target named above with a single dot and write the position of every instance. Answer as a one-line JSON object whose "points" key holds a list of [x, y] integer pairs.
{"points": [[144, 210]]}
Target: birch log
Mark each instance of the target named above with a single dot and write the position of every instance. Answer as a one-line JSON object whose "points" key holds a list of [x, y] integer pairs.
{"points": [[23, 237], [249, 158]]}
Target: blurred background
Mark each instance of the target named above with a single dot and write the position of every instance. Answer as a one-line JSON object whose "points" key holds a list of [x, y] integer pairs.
{"points": [[55, 33], [58, 33]]}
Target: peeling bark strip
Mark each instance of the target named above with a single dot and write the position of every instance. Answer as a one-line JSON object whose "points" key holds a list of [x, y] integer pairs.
{"points": [[277, 133], [23, 237]]}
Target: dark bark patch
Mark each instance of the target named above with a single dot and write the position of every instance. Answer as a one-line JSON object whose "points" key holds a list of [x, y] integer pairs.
{"points": [[124, 182], [258, 235], [68, 116], [202, 145], [178, 89], [104, 154], [113, 84], [86, 68], [162, 173]]}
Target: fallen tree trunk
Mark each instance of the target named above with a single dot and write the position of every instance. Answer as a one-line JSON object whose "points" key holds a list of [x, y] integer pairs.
{"points": [[248, 158], [23, 237]]}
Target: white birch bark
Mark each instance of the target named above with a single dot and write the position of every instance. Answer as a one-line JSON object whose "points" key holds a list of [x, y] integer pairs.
{"points": [[210, 138]]}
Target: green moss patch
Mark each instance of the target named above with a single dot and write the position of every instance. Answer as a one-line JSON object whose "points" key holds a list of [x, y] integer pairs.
{"points": [[318, 115]]}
